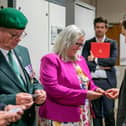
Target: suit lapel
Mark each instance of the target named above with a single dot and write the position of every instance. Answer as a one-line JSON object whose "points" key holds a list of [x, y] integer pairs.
{"points": [[94, 39], [21, 62], [106, 40], [7, 70]]}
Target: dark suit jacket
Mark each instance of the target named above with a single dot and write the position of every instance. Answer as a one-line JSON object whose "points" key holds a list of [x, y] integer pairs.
{"points": [[121, 114], [2, 106], [10, 85], [105, 62]]}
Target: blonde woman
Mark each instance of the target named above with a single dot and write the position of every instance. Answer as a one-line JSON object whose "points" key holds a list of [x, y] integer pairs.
{"points": [[67, 81]]}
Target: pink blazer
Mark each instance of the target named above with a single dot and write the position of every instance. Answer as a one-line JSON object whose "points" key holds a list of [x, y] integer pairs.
{"points": [[64, 95]]}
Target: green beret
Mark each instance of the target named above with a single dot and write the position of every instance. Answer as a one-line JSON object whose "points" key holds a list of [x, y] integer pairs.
{"points": [[12, 18]]}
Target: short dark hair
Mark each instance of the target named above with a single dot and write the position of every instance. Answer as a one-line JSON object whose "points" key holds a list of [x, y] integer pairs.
{"points": [[101, 20], [123, 23]]}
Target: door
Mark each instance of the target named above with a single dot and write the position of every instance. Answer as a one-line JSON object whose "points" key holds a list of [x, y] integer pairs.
{"points": [[113, 32]]}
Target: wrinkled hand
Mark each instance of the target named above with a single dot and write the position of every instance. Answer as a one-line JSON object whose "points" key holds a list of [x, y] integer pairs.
{"points": [[8, 117], [24, 99], [10, 107], [3, 120], [41, 96], [92, 95], [112, 93], [14, 115]]}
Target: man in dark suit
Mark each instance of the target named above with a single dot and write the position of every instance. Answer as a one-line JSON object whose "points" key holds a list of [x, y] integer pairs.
{"points": [[103, 73], [115, 93], [18, 85]]}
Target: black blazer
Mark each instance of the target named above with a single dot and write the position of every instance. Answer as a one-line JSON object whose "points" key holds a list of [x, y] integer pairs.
{"points": [[121, 113], [105, 62]]}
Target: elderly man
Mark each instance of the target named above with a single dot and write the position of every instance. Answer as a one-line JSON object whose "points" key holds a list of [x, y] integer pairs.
{"points": [[18, 85]]}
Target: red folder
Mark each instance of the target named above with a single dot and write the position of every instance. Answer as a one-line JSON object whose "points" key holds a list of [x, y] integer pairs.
{"points": [[100, 50]]}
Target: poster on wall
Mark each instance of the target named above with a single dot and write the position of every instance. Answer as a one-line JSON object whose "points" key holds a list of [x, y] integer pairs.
{"points": [[55, 30]]}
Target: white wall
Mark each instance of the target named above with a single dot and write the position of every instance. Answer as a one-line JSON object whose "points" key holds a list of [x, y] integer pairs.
{"points": [[41, 15], [113, 10], [122, 50], [84, 16], [37, 29], [3, 3]]}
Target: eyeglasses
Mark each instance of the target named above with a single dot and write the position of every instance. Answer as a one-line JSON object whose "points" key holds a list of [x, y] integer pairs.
{"points": [[13, 35], [79, 44]]}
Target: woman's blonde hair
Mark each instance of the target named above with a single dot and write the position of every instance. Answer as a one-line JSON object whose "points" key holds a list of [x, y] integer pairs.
{"points": [[66, 38]]}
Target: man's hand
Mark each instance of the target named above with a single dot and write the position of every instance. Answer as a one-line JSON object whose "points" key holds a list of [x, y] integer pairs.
{"points": [[91, 57], [24, 99], [112, 93], [9, 115], [40, 96], [3, 120], [12, 107], [15, 112]]}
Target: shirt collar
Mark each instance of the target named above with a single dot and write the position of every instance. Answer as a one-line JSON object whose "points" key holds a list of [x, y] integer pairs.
{"points": [[103, 39], [4, 52]]}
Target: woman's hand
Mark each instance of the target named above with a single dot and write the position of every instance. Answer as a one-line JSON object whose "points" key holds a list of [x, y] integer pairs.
{"points": [[99, 90], [92, 95]]}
